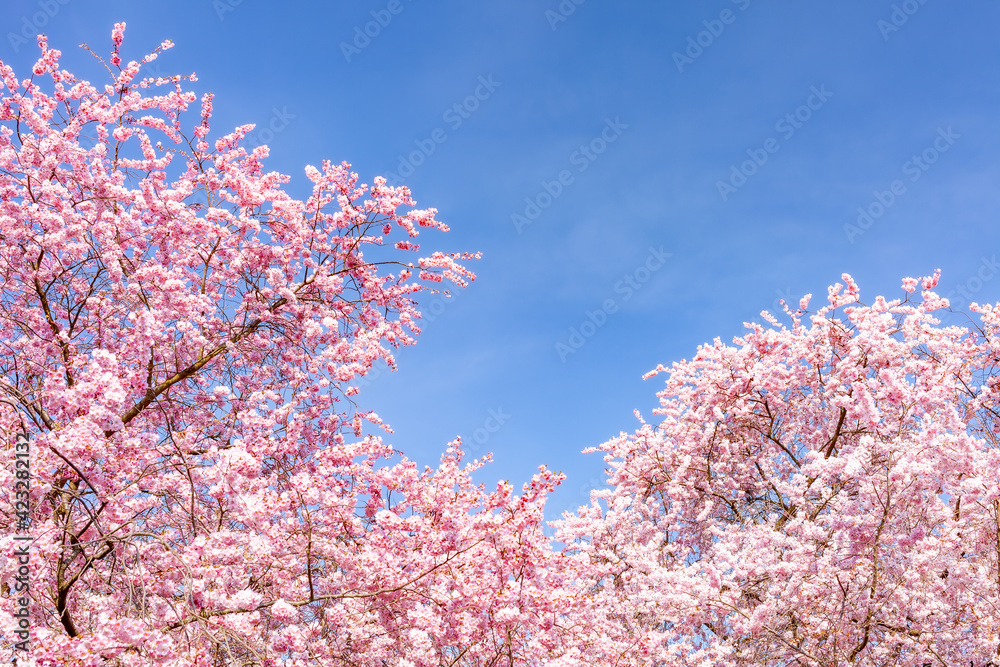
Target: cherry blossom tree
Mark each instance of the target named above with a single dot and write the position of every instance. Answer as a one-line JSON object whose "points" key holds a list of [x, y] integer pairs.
{"points": [[181, 340], [824, 493]]}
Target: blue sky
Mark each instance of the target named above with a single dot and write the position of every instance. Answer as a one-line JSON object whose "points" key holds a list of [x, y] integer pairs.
{"points": [[649, 175]]}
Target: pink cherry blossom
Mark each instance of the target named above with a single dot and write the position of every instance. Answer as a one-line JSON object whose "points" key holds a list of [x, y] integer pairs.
{"points": [[182, 342], [825, 492]]}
